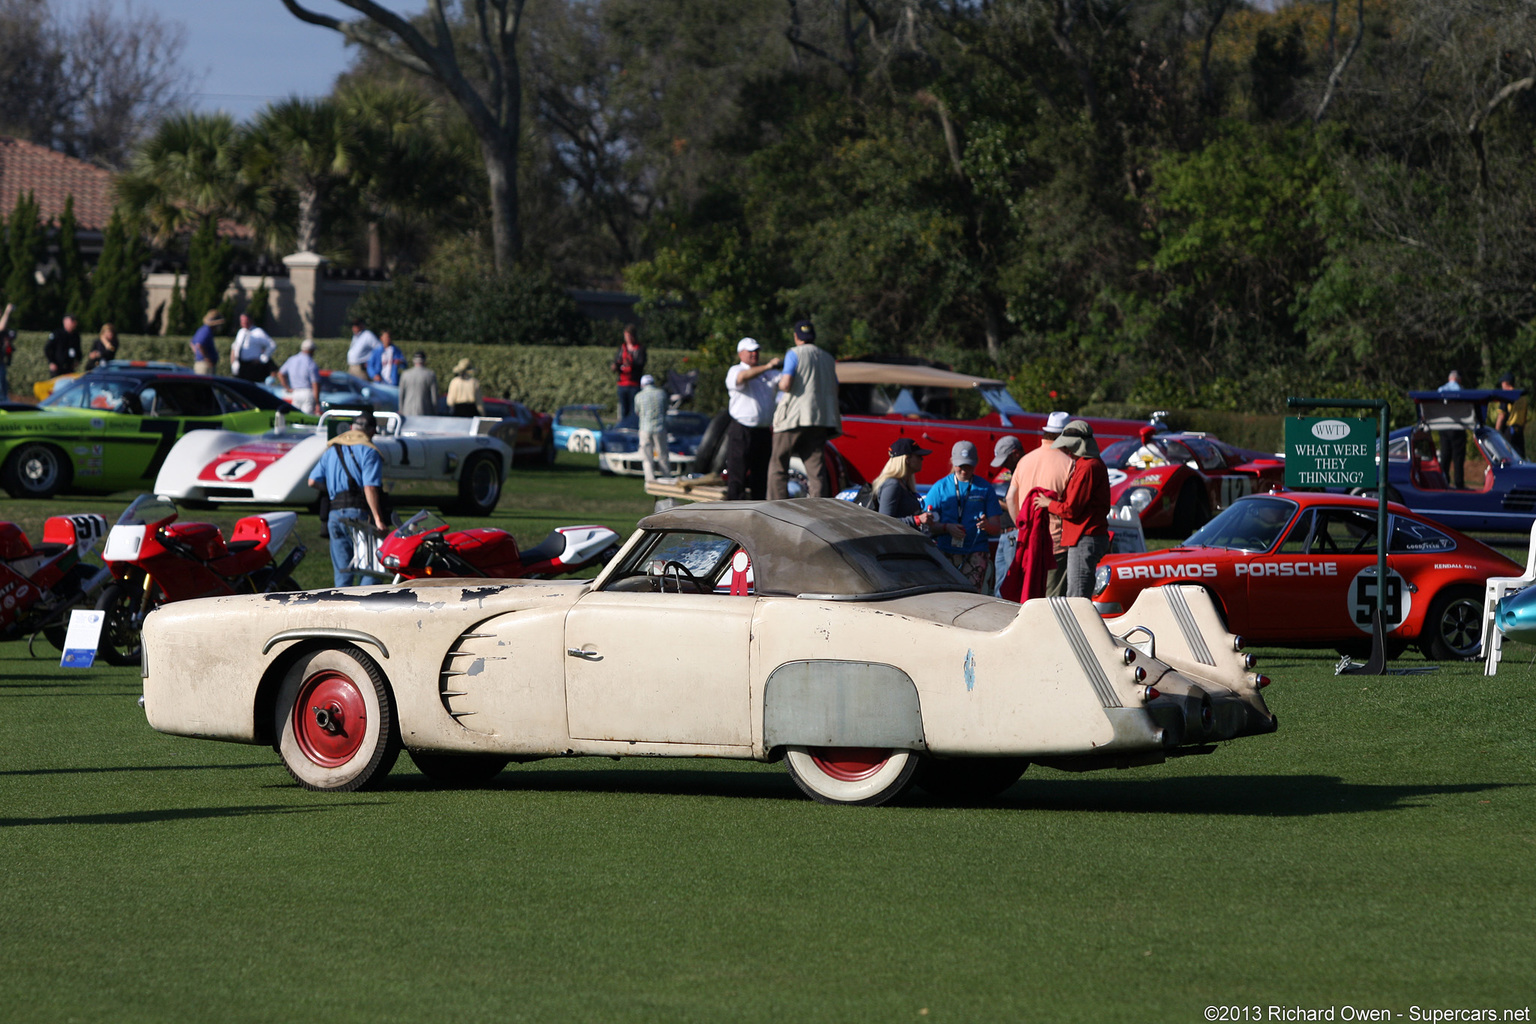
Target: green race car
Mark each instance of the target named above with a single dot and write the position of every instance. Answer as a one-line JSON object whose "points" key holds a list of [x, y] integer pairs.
{"points": [[110, 430]]}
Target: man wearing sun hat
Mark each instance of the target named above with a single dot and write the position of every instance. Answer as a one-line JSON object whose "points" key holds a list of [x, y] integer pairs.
{"points": [[750, 388], [1047, 468], [1083, 507]]}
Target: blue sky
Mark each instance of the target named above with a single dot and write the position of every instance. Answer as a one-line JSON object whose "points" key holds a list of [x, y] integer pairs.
{"points": [[246, 53]]}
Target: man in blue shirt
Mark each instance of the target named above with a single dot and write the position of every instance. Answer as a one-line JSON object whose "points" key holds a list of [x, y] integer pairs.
{"points": [[301, 377], [352, 472], [205, 351], [967, 511], [384, 364]]}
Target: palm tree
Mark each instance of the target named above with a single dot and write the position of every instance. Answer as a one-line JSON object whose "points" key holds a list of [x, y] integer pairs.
{"points": [[188, 171], [408, 173], [306, 147]]}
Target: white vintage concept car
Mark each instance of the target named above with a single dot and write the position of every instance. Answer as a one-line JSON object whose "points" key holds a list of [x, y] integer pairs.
{"points": [[463, 454], [810, 630]]}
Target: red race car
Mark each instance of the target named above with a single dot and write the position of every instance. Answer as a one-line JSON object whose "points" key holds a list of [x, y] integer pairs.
{"points": [[1177, 481], [1298, 569], [884, 401]]}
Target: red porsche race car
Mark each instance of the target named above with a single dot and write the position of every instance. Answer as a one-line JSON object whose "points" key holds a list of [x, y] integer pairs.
{"points": [[1177, 481], [1298, 569]]}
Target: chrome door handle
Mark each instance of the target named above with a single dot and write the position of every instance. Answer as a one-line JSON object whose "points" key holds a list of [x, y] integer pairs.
{"points": [[578, 652]]}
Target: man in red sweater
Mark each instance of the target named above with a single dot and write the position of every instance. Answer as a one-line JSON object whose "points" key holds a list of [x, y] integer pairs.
{"points": [[1084, 508]]}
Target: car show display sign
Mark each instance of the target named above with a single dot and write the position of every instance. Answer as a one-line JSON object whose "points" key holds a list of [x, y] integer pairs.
{"points": [[82, 638], [1330, 452]]}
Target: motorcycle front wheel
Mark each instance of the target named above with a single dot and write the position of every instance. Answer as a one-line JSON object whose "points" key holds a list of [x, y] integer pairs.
{"points": [[120, 641]]}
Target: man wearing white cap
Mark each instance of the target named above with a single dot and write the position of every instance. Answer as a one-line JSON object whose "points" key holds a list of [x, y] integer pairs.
{"points": [[301, 377], [967, 512], [1047, 468], [751, 388], [651, 409]]}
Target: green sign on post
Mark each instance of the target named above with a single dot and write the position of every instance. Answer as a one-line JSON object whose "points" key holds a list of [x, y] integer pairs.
{"points": [[1330, 452]]}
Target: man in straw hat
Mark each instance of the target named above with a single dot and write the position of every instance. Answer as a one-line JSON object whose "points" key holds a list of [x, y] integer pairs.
{"points": [[205, 350], [1083, 508], [352, 473], [1047, 468]]}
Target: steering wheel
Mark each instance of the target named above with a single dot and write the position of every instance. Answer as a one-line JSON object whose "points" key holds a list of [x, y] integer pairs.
{"points": [[682, 570]]}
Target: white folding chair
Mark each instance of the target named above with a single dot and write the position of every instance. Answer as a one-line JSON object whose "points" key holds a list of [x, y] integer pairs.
{"points": [[1495, 590]]}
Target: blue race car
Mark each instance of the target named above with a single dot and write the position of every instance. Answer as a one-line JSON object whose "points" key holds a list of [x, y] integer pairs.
{"points": [[1501, 498], [579, 428]]}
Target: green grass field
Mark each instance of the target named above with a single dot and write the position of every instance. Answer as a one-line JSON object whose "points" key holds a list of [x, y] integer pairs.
{"points": [[1376, 852]]}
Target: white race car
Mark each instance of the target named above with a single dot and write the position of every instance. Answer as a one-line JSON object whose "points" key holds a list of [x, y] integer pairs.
{"points": [[221, 466]]}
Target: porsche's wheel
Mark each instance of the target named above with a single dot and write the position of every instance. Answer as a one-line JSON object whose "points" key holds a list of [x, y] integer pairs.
{"points": [[457, 770], [335, 721], [480, 484], [119, 643], [969, 778], [1453, 629], [1192, 511], [863, 776], [35, 470]]}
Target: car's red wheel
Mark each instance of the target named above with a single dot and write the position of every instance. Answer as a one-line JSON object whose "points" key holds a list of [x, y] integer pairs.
{"points": [[335, 723], [865, 776]]}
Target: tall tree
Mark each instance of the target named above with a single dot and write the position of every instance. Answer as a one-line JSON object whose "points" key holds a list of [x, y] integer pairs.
{"points": [[210, 260], [73, 283], [485, 82], [117, 288], [26, 249]]}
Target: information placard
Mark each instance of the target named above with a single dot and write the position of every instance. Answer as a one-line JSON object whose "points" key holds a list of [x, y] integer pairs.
{"points": [[1330, 452]]}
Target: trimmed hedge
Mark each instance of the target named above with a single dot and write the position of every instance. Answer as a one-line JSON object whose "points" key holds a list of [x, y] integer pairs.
{"points": [[543, 376]]}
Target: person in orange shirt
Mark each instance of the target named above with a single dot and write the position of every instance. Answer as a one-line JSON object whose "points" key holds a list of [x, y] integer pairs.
{"points": [[1049, 468], [1084, 508]]}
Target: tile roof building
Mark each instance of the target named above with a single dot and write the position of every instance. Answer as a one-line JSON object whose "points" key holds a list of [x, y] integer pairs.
{"points": [[53, 176]]}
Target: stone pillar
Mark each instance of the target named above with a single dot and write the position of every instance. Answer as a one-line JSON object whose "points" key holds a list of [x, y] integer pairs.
{"points": [[304, 274]]}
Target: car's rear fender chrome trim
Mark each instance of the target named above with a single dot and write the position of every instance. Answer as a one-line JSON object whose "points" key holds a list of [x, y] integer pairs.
{"points": [[1179, 605], [1073, 631], [357, 636]]}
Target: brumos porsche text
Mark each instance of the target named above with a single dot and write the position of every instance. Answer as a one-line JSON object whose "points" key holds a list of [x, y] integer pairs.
{"points": [[1208, 570]]}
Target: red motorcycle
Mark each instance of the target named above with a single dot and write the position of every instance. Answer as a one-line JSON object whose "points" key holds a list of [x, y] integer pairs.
{"points": [[423, 546], [40, 585], [154, 560]]}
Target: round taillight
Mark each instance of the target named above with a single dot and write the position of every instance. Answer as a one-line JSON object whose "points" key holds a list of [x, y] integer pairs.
{"points": [[1261, 681], [1237, 643], [1249, 661], [1141, 674], [1130, 655]]}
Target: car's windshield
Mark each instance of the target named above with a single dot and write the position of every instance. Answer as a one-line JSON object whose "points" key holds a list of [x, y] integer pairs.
{"points": [[1159, 451], [1495, 446], [998, 398], [1252, 524], [103, 395]]}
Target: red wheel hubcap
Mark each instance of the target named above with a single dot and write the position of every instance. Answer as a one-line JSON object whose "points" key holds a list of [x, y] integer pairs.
{"points": [[330, 719], [850, 764]]}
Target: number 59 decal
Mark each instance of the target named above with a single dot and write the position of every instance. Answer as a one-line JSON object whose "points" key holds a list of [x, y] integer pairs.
{"points": [[1362, 599]]}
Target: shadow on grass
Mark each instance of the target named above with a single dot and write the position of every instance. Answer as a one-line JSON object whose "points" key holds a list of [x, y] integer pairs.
{"points": [[1242, 795], [142, 768], [179, 814]]}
